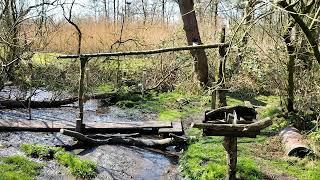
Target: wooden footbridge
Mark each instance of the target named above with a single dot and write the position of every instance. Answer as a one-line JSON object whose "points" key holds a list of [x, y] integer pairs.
{"points": [[142, 127]]}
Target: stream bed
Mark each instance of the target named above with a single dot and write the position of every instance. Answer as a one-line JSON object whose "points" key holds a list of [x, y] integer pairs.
{"points": [[114, 162]]}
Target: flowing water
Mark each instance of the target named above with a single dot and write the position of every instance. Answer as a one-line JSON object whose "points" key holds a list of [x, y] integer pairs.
{"points": [[114, 162]]}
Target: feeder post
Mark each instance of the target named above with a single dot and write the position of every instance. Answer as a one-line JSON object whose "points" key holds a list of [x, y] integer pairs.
{"points": [[230, 144], [79, 123]]}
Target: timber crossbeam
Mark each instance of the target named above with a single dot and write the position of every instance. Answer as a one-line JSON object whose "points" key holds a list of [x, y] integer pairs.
{"points": [[144, 52]]}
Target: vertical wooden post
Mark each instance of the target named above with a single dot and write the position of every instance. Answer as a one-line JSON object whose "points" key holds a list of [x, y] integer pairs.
{"points": [[222, 101], [230, 144], [87, 77], [79, 123], [213, 99], [144, 81]]}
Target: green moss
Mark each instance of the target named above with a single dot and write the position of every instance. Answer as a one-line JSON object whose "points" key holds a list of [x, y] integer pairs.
{"points": [[18, 168], [77, 166], [40, 151]]}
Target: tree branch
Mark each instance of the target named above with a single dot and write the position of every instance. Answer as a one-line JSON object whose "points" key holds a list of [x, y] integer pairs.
{"points": [[311, 39]]}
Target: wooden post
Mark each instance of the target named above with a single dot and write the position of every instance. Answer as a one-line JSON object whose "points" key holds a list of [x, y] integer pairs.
{"points": [[213, 99], [230, 144], [87, 77], [222, 101], [144, 81], [83, 62]]}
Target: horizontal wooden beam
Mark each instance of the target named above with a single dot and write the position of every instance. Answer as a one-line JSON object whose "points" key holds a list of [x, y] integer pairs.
{"points": [[256, 126], [144, 52]]}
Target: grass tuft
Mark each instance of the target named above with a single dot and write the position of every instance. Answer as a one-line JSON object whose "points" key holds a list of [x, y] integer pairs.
{"points": [[18, 168], [77, 166], [40, 151]]}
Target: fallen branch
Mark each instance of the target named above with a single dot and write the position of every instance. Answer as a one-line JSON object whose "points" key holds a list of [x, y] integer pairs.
{"points": [[140, 142], [13, 104], [102, 136]]}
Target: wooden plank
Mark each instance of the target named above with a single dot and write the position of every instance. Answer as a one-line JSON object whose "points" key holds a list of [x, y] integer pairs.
{"points": [[176, 129], [250, 134], [55, 126], [256, 126]]}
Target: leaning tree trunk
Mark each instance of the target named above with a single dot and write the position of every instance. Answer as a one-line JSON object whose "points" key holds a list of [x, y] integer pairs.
{"points": [[190, 26]]}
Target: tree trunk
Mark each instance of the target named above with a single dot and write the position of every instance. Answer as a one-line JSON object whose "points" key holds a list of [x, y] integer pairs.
{"points": [[190, 27], [83, 62], [125, 140], [144, 12], [289, 40], [163, 11]]}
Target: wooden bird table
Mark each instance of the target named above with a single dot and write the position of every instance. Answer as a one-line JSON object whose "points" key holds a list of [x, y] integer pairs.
{"points": [[232, 122]]}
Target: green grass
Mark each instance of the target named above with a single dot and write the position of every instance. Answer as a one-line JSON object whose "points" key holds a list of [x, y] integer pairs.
{"points": [[18, 168], [170, 106], [40, 151], [104, 88], [299, 168], [205, 159], [77, 166]]}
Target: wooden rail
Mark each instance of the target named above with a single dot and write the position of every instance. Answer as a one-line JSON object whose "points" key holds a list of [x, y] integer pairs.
{"points": [[144, 52]]}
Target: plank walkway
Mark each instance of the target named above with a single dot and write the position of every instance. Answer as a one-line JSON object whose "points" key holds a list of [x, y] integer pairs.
{"points": [[147, 127]]}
